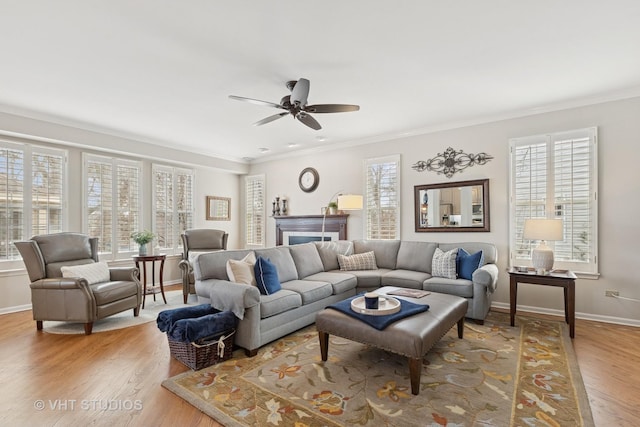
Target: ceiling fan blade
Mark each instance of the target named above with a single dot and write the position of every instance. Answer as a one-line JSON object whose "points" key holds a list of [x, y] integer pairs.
{"points": [[331, 108], [300, 92], [269, 119], [308, 120], [256, 101]]}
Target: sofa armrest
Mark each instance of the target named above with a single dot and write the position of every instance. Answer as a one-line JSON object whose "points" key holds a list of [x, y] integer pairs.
{"points": [[487, 276], [62, 283], [235, 297], [125, 274]]}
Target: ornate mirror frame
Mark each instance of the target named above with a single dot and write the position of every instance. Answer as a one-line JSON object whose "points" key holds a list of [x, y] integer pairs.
{"points": [[218, 208], [473, 217]]}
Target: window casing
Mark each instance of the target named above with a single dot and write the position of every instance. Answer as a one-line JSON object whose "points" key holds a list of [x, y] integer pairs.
{"points": [[255, 216], [382, 183], [173, 205], [32, 194], [112, 208], [556, 176]]}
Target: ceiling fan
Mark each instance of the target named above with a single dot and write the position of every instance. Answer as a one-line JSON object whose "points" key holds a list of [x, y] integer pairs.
{"points": [[296, 105]]}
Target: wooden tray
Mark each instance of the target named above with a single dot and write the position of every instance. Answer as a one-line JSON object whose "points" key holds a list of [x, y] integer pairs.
{"points": [[386, 305]]}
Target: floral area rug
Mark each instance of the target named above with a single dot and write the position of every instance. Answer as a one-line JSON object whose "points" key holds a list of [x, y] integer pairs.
{"points": [[496, 375]]}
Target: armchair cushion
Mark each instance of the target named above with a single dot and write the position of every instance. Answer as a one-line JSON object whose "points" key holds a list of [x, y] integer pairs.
{"points": [[96, 272]]}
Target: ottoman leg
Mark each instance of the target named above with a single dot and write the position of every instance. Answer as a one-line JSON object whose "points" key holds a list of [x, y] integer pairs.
{"points": [[461, 327], [415, 370], [324, 345]]}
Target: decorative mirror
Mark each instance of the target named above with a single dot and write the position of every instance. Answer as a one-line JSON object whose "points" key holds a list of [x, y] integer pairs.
{"points": [[452, 206], [218, 208]]}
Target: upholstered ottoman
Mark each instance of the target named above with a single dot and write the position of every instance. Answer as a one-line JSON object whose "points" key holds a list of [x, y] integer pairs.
{"points": [[412, 336]]}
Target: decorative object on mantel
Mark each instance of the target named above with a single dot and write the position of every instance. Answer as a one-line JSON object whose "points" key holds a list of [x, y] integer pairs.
{"points": [[276, 210], [451, 161]]}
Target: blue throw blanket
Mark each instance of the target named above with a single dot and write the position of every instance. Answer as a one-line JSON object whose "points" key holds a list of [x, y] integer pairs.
{"points": [[189, 330], [167, 318], [380, 322]]}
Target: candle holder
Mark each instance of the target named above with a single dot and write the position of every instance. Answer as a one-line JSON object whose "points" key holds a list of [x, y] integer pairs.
{"points": [[277, 206], [273, 210], [284, 206]]}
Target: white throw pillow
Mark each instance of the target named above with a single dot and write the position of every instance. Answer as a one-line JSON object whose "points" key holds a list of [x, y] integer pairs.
{"points": [[444, 263], [96, 272], [363, 261], [241, 271]]}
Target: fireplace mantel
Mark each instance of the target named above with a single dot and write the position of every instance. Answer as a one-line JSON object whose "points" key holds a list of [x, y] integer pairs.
{"points": [[310, 223]]}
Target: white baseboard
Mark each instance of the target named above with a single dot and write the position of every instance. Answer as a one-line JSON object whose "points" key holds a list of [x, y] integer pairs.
{"points": [[560, 313]]}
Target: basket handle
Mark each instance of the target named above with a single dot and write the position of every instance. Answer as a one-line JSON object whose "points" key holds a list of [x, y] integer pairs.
{"points": [[220, 342]]}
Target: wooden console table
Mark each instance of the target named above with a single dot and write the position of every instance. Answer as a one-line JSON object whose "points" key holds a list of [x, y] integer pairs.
{"points": [[567, 281]]}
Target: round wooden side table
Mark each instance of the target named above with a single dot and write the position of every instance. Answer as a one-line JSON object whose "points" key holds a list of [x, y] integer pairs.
{"points": [[152, 290]]}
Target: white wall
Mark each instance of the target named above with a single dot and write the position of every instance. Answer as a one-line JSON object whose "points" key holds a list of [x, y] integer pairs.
{"points": [[619, 173], [213, 177]]}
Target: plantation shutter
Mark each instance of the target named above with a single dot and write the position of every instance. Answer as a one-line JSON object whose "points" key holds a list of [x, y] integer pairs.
{"points": [[128, 209], [47, 197], [173, 205], [12, 196], [555, 176], [383, 197], [255, 210]]}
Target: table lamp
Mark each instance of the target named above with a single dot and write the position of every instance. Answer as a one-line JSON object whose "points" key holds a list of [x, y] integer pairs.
{"points": [[542, 229], [346, 202]]}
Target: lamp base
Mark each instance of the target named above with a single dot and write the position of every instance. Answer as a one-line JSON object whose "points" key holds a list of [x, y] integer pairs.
{"points": [[542, 257]]}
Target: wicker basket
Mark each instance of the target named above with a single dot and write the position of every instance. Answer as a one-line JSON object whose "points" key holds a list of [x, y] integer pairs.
{"points": [[205, 352]]}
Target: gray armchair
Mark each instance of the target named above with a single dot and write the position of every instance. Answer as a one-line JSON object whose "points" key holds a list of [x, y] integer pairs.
{"points": [[197, 241], [72, 299]]}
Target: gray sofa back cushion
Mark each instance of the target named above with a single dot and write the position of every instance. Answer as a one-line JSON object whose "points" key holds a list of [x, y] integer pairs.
{"points": [[386, 251], [307, 259], [416, 256], [489, 250], [329, 251], [281, 257], [213, 265]]}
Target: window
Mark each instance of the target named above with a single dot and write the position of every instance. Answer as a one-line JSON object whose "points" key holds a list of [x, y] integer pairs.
{"points": [[255, 214], [382, 198], [112, 208], [32, 194], [173, 205], [555, 176]]}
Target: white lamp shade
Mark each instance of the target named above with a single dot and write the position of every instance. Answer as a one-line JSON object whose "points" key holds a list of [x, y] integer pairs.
{"points": [[542, 229], [349, 202]]}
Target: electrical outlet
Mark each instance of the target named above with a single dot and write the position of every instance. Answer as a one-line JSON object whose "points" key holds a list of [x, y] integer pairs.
{"points": [[611, 293]]}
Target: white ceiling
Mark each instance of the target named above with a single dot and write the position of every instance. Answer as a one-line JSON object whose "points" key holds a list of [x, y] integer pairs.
{"points": [[161, 71]]}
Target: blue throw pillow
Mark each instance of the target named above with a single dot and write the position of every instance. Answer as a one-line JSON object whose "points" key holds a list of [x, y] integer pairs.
{"points": [[466, 264], [266, 276]]}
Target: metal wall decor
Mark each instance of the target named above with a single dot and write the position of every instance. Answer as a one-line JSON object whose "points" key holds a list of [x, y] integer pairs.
{"points": [[451, 161]]}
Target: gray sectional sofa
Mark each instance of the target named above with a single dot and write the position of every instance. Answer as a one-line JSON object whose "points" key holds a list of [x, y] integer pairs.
{"points": [[311, 279]]}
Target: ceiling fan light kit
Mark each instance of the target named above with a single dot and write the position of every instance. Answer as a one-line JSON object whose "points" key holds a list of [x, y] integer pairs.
{"points": [[296, 105]]}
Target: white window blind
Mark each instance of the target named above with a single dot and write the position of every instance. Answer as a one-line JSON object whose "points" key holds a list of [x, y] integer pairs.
{"points": [[255, 211], [32, 194], [173, 205], [382, 181], [555, 176], [113, 207]]}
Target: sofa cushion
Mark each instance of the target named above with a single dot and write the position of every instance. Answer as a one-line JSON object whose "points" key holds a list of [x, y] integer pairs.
{"points": [[329, 251], [213, 265], [341, 282], [266, 276], [466, 264], [309, 290], [363, 261], [242, 271], [279, 302], [459, 287], [444, 263], [386, 251], [415, 256], [369, 278], [95, 272], [307, 259], [405, 279], [281, 257]]}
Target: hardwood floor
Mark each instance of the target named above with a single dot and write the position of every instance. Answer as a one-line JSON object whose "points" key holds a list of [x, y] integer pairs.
{"points": [[113, 378]]}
